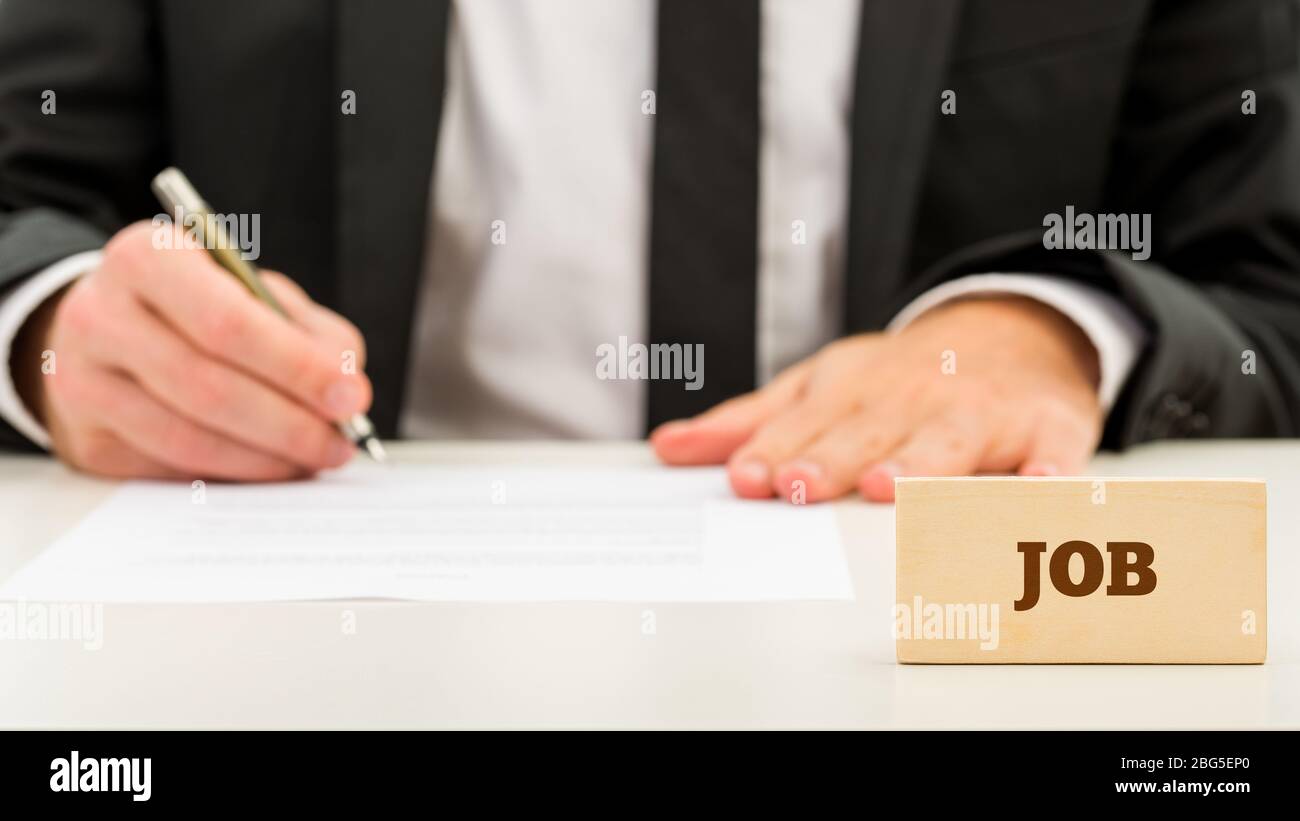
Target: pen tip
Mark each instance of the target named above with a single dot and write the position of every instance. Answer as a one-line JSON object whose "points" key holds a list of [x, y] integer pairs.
{"points": [[375, 449]]}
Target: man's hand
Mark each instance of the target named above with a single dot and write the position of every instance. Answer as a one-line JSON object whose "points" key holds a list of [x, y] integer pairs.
{"points": [[165, 366], [985, 384]]}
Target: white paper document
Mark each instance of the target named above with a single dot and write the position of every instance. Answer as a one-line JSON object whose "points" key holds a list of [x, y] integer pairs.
{"points": [[445, 533]]}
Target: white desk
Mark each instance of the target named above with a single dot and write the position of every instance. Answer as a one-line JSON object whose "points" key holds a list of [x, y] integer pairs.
{"points": [[800, 664]]}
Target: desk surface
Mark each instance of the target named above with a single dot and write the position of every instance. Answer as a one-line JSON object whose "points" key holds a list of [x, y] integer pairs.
{"points": [[781, 664]]}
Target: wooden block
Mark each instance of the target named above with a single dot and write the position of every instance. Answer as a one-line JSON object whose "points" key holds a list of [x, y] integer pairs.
{"points": [[1119, 571]]}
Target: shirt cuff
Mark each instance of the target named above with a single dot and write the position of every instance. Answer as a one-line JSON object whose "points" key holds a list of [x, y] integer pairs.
{"points": [[1111, 327], [15, 307]]}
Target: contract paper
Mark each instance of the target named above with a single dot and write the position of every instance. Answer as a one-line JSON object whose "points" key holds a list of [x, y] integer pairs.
{"points": [[445, 533]]}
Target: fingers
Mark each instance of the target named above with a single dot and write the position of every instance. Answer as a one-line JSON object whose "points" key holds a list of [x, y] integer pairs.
{"points": [[952, 444], [831, 464], [827, 444], [751, 469], [147, 427], [871, 407], [216, 396], [104, 454], [1063, 442], [169, 369], [711, 437], [210, 308], [317, 320]]}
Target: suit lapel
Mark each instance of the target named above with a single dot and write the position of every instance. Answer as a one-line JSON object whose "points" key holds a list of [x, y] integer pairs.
{"points": [[393, 60], [903, 50]]}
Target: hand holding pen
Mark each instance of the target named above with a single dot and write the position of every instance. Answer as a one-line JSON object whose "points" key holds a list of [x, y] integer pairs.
{"points": [[155, 362], [175, 192]]}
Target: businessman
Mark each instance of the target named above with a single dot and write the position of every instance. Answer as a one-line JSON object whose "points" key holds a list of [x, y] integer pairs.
{"points": [[907, 238]]}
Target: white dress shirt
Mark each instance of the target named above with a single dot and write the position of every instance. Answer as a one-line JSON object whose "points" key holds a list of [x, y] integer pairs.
{"points": [[540, 231]]}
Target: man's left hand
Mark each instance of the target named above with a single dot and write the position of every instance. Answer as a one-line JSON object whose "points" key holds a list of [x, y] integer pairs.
{"points": [[987, 384]]}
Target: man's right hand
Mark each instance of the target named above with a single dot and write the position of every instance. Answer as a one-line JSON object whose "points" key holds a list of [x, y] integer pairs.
{"points": [[164, 366]]}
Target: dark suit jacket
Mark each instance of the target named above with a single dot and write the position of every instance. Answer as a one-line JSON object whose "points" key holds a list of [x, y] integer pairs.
{"points": [[1115, 106]]}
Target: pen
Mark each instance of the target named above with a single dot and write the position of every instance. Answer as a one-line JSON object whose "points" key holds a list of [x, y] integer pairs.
{"points": [[174, 191]]}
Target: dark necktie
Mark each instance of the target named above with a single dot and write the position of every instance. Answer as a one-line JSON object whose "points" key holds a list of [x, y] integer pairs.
{"points": [[704, 205]]}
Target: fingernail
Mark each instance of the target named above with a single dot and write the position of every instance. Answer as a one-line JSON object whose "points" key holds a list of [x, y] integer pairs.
{"points": [[1042, 469], [889, 469], [878, 481], [808, 470], [794, 479], [752, 471], [342, 398]]}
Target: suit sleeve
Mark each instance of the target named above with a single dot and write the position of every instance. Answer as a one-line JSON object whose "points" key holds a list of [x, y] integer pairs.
{"points": [[80, 130], [1220, 295]]}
